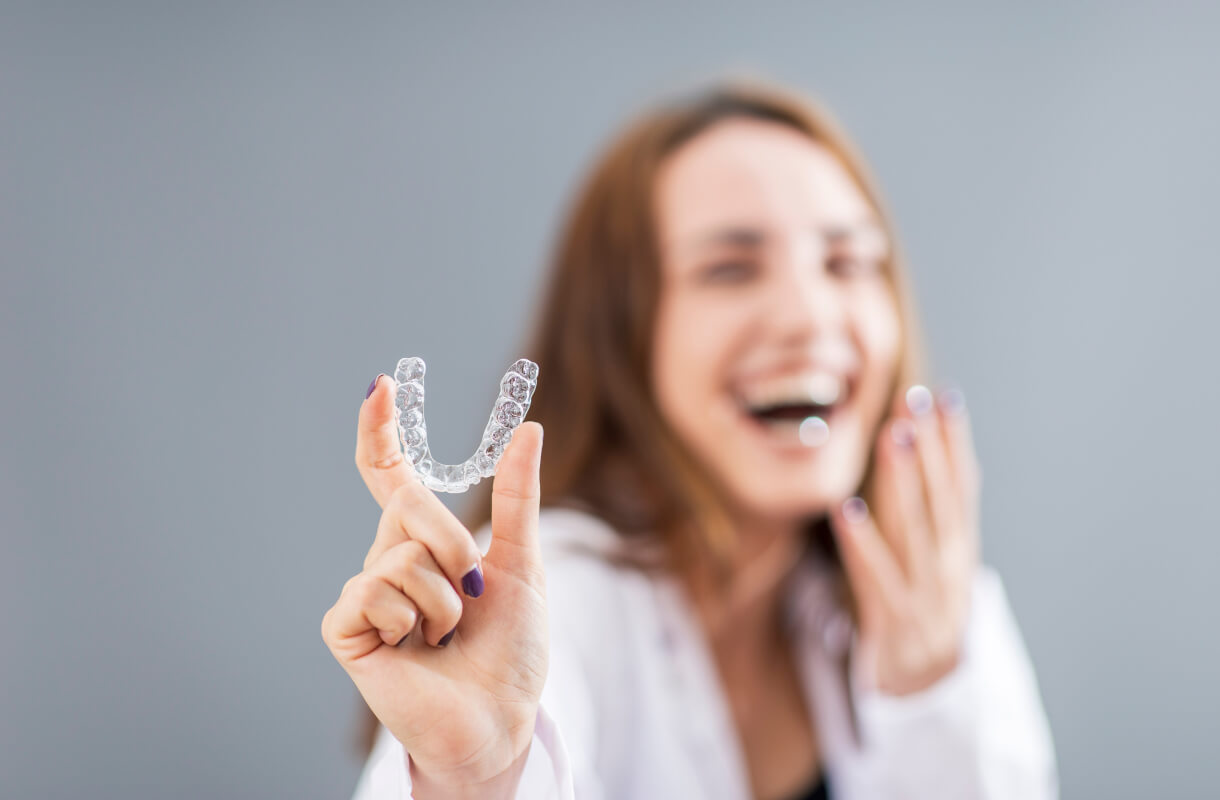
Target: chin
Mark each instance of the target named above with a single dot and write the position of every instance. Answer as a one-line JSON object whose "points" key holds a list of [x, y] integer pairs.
{"points": [[797, 494]]}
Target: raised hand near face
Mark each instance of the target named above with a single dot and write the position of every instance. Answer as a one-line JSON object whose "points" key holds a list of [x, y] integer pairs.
{"points": [[912, 561]]}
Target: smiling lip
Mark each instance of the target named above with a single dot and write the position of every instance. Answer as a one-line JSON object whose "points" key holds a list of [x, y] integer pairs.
{"points": [[782, 430], [774, 405]]}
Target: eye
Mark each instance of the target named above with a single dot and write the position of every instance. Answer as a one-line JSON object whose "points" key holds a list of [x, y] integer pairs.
{"points": [[730, 271], [849, 266]]}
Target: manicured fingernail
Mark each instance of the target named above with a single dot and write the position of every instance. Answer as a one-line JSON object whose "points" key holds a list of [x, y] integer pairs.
{"points": [[855, 510], [447, 638], [472, 582], [902, 431], [919, 400], [373, 385], [951, 401]]}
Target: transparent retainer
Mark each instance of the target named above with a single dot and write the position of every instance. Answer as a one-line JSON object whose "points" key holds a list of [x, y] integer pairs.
{"points": [[516, 391]]}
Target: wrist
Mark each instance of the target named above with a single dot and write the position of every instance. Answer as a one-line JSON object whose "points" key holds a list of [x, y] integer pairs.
{"points": [[502, 786], [903, 682]]}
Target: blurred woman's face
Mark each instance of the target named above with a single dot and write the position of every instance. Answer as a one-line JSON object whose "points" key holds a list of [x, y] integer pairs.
{"points": [[774, 308]]}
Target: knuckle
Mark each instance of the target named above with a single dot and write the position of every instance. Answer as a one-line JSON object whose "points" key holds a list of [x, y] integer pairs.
{"points": [[529, 493], [391, 459], [363, 590], [410, 555], [408, 497], [459, 551], [451, 606]]}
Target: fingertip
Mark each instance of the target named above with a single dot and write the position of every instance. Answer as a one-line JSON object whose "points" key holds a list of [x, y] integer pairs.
{"points": [[841, 520], [378, 405], [854, 510], [525, 449], [533, 431], [515, 498], [951, 401], [373, 385], [517, 474], [919, 400], [473, 583], [902, 434], [537, 432], [846, 532]]}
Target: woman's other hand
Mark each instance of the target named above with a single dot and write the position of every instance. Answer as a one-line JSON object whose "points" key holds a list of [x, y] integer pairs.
{"points": [[447, 646], [912, 563]]}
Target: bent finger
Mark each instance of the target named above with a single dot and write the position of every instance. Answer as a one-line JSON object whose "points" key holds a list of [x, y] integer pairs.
{"points": [[410, 568], [369, 607], [414, 512]]}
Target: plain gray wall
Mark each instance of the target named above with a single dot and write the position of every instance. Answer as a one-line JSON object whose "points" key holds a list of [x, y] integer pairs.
{"points": [[217, 223]]}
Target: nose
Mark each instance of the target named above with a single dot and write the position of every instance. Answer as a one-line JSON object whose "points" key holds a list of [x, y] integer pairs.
{"points": [[806, 302]]}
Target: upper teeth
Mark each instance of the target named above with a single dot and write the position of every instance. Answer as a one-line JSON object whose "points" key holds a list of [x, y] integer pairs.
{"points": [[815, 388]]}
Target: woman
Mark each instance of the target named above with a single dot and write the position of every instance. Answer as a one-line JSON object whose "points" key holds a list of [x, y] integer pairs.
{"points": [[723, 597]]}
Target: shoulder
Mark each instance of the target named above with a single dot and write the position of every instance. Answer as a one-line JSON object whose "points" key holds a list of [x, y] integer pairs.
{"points": [[587, 582], [569, 530], [990, 612]]}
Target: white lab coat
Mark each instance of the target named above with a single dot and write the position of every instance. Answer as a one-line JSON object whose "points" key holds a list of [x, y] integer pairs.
{"points": [[632, 706]]}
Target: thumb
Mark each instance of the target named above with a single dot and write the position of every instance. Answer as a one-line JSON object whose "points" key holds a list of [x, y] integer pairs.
{"points": [[514, 503]]}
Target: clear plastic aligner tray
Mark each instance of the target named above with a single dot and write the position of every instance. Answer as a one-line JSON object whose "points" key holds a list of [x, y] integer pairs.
{"points": [[516, 391]]}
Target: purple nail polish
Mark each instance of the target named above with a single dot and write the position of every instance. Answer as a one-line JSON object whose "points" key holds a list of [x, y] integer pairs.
{"points": [[919, 400], [902, 431], [373, 385], [447, 638], [472, 582], [855, 510], [951, 401]]}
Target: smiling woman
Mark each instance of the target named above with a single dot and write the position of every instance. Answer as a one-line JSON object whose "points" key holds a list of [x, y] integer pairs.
{"points": [[755, 572], [660, 254]]}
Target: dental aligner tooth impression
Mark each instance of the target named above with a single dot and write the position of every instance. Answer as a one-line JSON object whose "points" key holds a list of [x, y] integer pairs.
{"points": [[516, 391]]}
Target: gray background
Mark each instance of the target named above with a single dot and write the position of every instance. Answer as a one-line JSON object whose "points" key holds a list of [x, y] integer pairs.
{"points": [[218, 223]]}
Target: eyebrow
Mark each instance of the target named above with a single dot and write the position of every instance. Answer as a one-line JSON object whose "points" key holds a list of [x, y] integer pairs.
{"points": [[755, 237]]}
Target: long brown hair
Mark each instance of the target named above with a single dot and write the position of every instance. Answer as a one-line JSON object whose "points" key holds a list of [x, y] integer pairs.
{"points": [[608, 449]]}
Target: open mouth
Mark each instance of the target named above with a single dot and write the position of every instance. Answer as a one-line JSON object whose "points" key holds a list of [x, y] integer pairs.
{"points": [[789, 408], [786, 413], [805, 424]]}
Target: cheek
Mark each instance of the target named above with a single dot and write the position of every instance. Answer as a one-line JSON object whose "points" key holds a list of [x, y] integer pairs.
{"points": [[674, 363], [879, 337], [690, 347], [878, 327], [693, 345]]}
